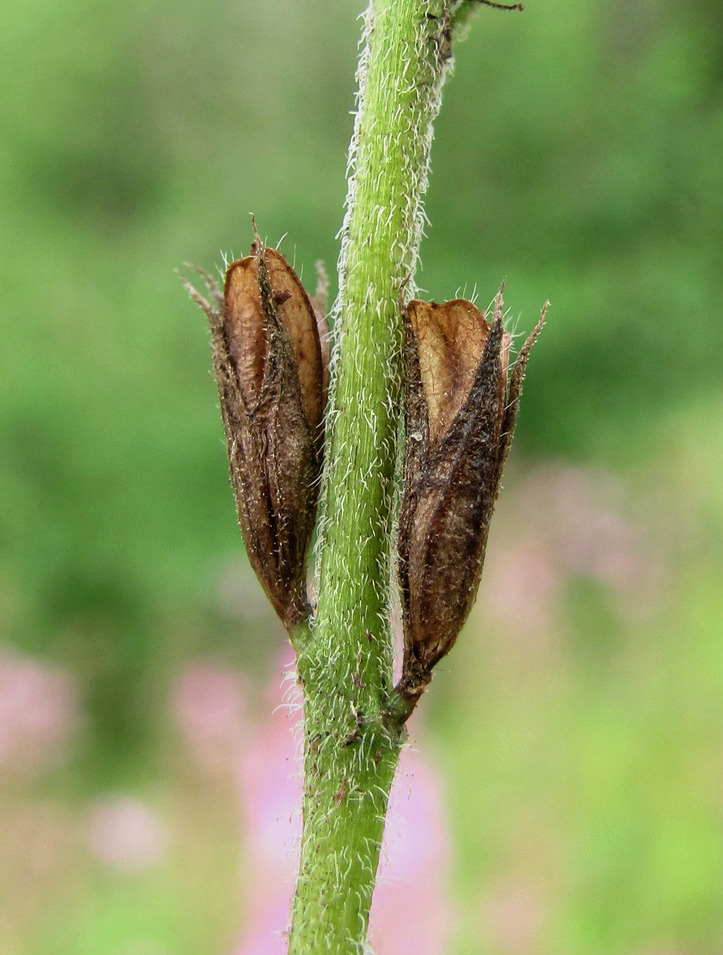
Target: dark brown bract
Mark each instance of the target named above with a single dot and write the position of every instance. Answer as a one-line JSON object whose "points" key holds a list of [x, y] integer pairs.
{"points": [[269, 367], [460, 415]]}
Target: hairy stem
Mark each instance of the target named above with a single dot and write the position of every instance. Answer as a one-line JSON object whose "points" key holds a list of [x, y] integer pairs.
{"points": [[345, 662]]}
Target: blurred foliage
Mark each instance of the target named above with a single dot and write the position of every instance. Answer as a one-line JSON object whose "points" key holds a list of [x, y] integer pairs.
{"points": [[578, 154]]}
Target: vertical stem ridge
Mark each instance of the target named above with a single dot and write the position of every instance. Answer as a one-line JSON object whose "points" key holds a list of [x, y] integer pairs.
{"points": [[351, 751]]}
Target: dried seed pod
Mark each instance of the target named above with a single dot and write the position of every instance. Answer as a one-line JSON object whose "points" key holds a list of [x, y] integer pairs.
{"points": [[460, 415], [269, 368]]}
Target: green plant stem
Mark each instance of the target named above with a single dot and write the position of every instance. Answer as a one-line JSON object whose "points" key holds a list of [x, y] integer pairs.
{"points": [[345, 660]]}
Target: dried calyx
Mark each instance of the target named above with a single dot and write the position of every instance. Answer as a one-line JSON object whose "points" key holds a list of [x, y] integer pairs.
{"points": [[460, 412], [270, 369]]}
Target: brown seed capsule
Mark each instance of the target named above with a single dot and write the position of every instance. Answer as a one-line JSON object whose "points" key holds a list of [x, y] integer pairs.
{"points": [[268, 364], [460, 415]]}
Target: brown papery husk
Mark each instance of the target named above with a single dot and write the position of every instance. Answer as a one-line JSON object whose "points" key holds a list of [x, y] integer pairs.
{"points": [[268, 369], [449, 494], [450, 339], [302, 328], [246, 321]]}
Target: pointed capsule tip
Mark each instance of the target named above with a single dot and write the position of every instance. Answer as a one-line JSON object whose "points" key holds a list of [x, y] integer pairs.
{"points": [[209, 280], [212, 314], [522, 356], [532, 337], [499, 302], [258, 246]]}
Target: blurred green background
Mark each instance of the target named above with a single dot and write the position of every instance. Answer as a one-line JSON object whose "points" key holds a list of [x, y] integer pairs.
{"points": [[578, 726]]}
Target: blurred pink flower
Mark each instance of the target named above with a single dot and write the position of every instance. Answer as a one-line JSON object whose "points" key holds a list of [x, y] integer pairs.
{"points": [[521, 585], [560, 522], [265, 931], [270, 785], [411, 911], [125, 833], [39, 714], [513, 914], [583, 514], [208, 705], [587, 515]]}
